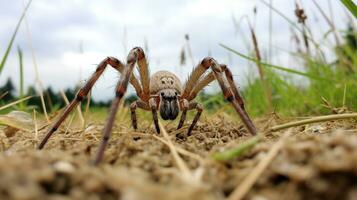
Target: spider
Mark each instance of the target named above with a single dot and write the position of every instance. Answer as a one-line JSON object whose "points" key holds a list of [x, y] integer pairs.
{"points": [[163, 92]]}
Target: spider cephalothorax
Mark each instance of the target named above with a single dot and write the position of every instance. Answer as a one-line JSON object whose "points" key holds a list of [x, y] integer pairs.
{"points": [[167, 86], [162, 91]]}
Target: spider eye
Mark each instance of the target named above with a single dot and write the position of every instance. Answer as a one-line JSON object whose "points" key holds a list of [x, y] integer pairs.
{"points": [[162, 94], [176, 93], [172, 82], [163, 82]]}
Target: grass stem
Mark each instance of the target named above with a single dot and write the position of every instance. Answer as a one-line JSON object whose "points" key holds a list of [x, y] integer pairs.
{"points": [[313, 120], [9, 46], [15, 102], [38, 80], [235, 152]]}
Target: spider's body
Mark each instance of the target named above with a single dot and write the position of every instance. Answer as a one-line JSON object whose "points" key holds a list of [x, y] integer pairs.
{"points": [[161, 92], [168, 87], [164, 80]]}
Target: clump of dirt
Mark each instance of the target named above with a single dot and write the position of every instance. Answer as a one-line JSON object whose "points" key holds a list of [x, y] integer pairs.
{"points": [[318, 161]]}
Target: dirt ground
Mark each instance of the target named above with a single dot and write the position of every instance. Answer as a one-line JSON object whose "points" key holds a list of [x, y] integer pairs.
{"points": [[319, 161]]}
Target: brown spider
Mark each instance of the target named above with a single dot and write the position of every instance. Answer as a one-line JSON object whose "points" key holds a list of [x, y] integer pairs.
{"points": [[162, 91]]}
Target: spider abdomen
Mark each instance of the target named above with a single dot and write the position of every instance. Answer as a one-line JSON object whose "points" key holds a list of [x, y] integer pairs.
{"points": [[164, 80]]}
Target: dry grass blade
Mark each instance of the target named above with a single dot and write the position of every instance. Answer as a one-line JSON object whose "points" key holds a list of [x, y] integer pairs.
{"points": [[241, 33], [15, 102], [263, 80], [314, 120], [35, 126], [187, 39], [18, 120], [295, 26], [180, 163], [86, 111], [69, 125], [4, 94], [180, 150], [37, 77], [242, 189], [291, 22], [301, 16], [329, 21], [64, 97]]}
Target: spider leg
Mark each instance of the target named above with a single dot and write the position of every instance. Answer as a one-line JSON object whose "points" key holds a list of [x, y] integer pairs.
{"points": [[200, 85], [134, 122], [141, 104], [153, 107], [211, 77], [82, 93], [199, 108], [233, 87], [119, 93], [144, 75], [185, 106], [116, 64], [230, 91], [195, 75], [238, 99], [231, 94], [190, 106]]}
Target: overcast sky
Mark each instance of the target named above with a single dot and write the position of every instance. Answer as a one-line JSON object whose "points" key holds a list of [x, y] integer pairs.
{"points": [[70, 37]]}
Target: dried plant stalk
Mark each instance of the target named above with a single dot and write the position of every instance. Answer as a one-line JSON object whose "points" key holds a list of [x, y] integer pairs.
{"points": [[37, 74], [314, 120], [264, 82]]}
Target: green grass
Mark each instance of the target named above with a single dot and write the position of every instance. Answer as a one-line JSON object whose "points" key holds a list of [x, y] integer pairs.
{"points": [[9, 46], [285, 69], [350, 6], [319, 80], [306, 97], [334, 82], [237, 151], [22, 105]]}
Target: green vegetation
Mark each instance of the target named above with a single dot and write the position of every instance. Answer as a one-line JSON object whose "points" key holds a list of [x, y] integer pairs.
{"points": [[350, 6], [6, 54], [238, 151], [311, 95], [53, 100], [322, 87]]}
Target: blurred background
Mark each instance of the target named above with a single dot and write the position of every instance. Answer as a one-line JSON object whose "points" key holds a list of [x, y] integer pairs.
{"points": [[58, 45]]}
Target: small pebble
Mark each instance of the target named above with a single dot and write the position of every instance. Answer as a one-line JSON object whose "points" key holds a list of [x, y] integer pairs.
{"points": [[64, 167]]}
